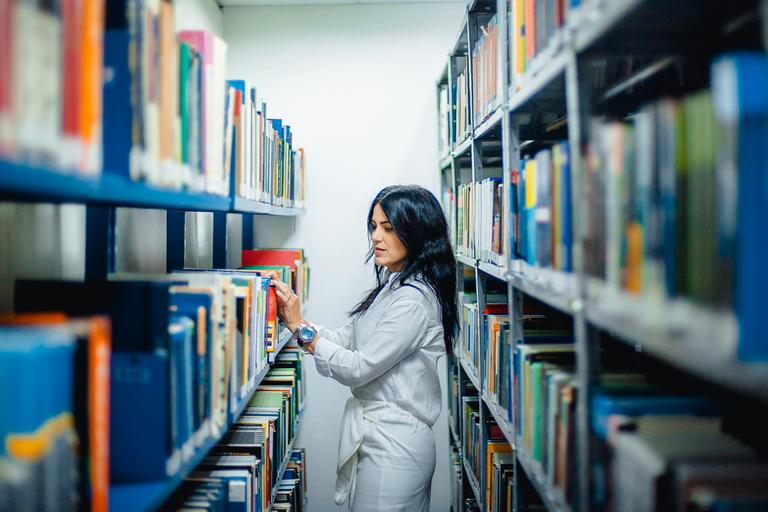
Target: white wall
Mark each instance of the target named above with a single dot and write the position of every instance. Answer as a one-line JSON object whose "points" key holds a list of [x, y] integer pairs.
{"points": [[357, 86]]}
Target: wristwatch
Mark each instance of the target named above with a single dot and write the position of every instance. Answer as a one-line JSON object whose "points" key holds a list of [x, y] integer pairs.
{"points": [[304, 333]]}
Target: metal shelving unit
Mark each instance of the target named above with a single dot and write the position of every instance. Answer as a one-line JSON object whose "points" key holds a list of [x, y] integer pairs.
{"points": [[554, 100]]}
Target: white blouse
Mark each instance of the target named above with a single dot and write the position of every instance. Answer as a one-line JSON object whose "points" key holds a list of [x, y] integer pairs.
{"points": [[390, 353]]}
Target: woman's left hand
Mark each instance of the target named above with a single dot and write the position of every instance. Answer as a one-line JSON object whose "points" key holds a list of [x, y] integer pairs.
{"points": [[289, 309]]}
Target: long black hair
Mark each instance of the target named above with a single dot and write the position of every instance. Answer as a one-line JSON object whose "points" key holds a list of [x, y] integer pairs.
{"points": [[419, 223]]}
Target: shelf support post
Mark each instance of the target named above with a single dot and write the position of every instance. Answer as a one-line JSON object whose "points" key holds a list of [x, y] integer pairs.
{"points": [[219, 240], [175, 240], [248, 232], [100, 241]]}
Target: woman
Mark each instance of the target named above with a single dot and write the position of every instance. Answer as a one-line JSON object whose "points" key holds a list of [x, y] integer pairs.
{"points": [[388, 354]]}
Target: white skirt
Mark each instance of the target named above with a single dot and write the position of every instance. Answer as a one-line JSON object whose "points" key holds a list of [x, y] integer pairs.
{"points": [[395, 465]]}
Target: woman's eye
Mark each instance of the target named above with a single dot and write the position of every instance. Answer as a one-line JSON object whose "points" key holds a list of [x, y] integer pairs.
{"points": [[388, 230]]}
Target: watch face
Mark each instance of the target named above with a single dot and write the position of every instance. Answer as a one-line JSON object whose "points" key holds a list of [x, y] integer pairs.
{"points": [[307, 334]]}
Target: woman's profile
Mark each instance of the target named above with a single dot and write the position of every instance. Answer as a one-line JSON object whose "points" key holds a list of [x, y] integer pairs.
{"points": [[388, 354]]}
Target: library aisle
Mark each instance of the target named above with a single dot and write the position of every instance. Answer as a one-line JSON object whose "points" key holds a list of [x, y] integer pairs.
{"points": [[602, 165]]}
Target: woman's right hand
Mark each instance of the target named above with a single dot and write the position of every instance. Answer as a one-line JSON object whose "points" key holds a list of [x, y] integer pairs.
{"points": [[289, 309]]}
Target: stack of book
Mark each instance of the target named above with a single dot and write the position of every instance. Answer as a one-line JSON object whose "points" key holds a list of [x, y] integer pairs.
{"points": [[545, 406], [290, 264], [496, 354], [465, 220], [164, 99], [469, 341], [444, 145], [541, 196], [498, 469], [471, 433], [462, 127], [673, 207], [254, 454], [491, 217], [198, 339], [535, 24], [260, 151], [50, 84], [55, 427], [668, 450], [501, 482], [485, 66]]}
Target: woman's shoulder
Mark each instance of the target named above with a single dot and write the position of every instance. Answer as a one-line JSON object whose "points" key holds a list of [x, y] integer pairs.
{"points": [[416, 290]]}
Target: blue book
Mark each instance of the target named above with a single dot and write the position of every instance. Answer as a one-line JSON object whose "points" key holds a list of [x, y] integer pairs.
{"points": [[566, 233], [543, 209], [739, 81], [183, 365], [523, 222], [604, 405], [188, 304], [139, 421], [531, 175], [118, 114]]}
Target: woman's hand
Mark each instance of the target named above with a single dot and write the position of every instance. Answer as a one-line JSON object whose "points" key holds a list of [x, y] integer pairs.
{"points": [[289, 309]]}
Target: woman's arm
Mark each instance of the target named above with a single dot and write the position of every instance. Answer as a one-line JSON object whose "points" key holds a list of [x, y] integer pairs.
{"points": [[289, 311], [398, 333]]}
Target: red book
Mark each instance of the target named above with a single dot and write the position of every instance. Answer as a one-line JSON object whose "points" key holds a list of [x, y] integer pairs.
{"points": [[70, 115], [496, 309], [271, 318]]}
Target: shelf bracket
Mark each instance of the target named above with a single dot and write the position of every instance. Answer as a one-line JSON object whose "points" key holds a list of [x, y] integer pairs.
{"points": [[219, 240], [175, 240], [100, 241]]}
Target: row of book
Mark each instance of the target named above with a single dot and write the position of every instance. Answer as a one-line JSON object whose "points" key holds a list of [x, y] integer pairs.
{"points": [[444, 144], [291, 265], [486, 96], [545, 406], [255, 457], [265, 166], [466, 219], [487, 451], [460, 118], [50, 83], [665, 449], [184, 351], [226, 489], [541, 208], [162, 113], [673, 201], [55, 413], [491, 219], [533, 24]]}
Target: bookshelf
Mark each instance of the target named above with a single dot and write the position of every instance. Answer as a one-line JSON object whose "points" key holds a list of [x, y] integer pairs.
{"points": [[602, 60], [180, 148]]}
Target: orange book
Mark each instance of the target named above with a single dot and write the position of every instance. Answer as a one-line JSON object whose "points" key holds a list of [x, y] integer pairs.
{"points": [[97, 332], [168, 57], [530, 28], [91, 84], [238, 124]]}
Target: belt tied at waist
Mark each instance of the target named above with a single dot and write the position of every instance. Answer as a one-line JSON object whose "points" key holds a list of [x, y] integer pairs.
{"points": [[350, 440]]}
